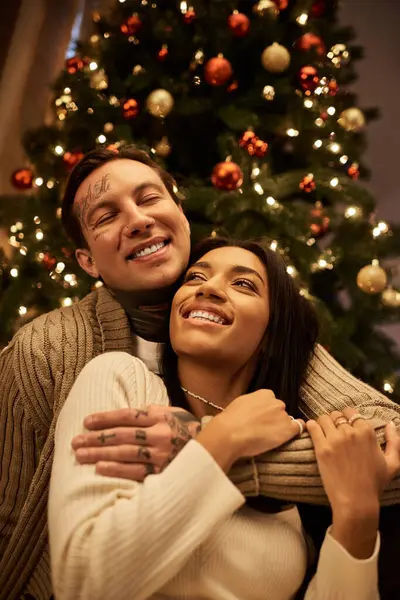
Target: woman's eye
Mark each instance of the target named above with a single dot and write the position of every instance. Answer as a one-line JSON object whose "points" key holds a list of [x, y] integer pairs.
{"points": [[246, 283]]}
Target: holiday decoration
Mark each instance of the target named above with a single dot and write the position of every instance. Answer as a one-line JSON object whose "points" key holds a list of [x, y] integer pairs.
{"points": [[163, 53], [71, 158], [218, 71], [130, 109], [308, 79], [307, 184], [49, 261], [372, 279], [249, 137], [310, 41], [319, 221], [131, 25], [391, 297], [318, 8], [239, 24], [268, 92], [281, 4], [227, 176], [163, 147], [275, 58], [75, 64], [353, 171], [160, 103], [22, 179], [233, 86], [259, 148], [99, 80], [189, 16], [352, 119], [266, 8], [339, 55]]}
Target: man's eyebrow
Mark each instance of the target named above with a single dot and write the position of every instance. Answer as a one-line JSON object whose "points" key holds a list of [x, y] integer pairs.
{"points": [[237, 269], [143, 187]]}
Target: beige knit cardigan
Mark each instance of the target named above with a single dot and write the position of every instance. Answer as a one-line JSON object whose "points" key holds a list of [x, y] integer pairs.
{"points": [[37, 371]]}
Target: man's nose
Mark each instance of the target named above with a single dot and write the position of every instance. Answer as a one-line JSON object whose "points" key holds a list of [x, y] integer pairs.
{"points": [[137, 221]]}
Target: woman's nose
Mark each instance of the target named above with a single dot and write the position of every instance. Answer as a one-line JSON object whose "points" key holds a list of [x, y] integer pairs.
{"points": [[213, 287]]}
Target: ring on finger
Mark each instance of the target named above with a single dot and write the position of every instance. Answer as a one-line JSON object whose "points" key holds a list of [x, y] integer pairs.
{"points": [[340, 421], [355, 418], [299, 423]]}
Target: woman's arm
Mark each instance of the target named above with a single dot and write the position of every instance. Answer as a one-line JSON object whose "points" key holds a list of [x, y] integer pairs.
{"points": [[113, 538]]}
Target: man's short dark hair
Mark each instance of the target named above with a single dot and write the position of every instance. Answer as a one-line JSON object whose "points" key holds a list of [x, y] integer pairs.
{"points": [[89, 163]]}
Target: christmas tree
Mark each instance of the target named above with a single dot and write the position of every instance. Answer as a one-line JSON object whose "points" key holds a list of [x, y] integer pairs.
{"points": [[248, 105]]}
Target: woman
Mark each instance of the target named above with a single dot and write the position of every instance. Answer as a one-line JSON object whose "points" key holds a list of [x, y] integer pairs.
{"points": [[237, 325]]}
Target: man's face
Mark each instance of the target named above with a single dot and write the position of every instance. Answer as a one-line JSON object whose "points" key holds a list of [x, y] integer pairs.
{"points": [[138, 237]]}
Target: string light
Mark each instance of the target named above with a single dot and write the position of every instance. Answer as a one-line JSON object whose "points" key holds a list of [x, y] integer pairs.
{"points": [[93, 66], [60, 267], [302, 19], [59, 150], [50, 184], [23, 250], [292, 132], [334, 147], [101, 139], [258, 188], [67, 90], [383, 227], [343, 159], [39, 181], [39, 235], [70, 278], [352, 211], [22, 310], [331, 110], [387, 387], [319, 122], [183, 7], [66, 301], [308, 103], [36, 220], [99, 284], [334, 182], [14, 272], [291, 270], [317, 144], [271, 201], [255, 172], [274, 245]]}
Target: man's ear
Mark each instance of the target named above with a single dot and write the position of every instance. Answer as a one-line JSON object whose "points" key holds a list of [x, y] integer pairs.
{"points": [[86, 262]]}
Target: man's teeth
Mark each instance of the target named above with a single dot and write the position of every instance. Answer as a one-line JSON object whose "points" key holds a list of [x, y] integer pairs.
{"points": [[205, 316], [149, 250]]}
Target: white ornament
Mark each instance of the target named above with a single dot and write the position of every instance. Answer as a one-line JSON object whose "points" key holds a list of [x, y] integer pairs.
{"points": [[159, 103], [275, 58]]}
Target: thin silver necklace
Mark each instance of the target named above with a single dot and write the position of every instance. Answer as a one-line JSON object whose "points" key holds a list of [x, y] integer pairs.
{"points": [[202, 399]]}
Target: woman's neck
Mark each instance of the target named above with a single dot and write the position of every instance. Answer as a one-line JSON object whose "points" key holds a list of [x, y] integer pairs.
{"points": [[214, 383]]}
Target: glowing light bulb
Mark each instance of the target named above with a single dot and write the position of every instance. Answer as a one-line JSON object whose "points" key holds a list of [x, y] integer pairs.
{"points": [[59, 150], [274, 245], [376, 232], [93, 66], [334, 182], [60, 267], [291, 270], [302, 19], [22, 310], [388, 387], [292, 132], [101, 139], [331, 110], [66, 301], [343, 159], [258, 188], [308, 103], [352, 211], [271, 201], [335, 148], [14, 272], [39, 181], [317, 144], [39, 235], [383, 227]]}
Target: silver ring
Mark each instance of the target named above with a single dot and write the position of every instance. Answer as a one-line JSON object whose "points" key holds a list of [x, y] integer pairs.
{"points": [[355, 418], [299, 423], [341, 421]]}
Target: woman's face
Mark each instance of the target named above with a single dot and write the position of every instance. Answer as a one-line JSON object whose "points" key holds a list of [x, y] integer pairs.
{"points": [[221, 312]]}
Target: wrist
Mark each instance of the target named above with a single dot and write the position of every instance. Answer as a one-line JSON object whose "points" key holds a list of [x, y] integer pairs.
{"points": [[218, 442], [356, 529]]}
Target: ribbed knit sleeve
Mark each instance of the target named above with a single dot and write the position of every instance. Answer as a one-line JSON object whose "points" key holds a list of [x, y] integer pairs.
{"points": [[113, 538], [340, 576], [291, 472]]}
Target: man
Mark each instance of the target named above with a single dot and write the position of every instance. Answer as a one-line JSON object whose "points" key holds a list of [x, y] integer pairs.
{"points": [[122, 213]]}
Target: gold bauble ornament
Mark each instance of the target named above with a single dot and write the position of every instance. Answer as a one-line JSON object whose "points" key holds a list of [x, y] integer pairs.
{"points": [[391, 297], [99, 80], [372, 279], [275, 58], [265, 8], [159, 103], [352, 119], [163, 147]]}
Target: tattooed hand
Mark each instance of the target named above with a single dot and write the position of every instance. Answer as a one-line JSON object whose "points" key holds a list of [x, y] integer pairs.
{"points": [[132, 443]]}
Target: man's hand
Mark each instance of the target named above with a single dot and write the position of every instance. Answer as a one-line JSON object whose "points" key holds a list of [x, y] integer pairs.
{"points": [[132, 443]]}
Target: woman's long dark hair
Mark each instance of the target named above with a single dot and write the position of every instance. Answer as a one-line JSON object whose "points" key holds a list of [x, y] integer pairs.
{"points": [[288, 342]]}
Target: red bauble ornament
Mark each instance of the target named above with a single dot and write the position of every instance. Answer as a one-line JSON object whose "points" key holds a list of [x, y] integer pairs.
{"points": [[318, 8], [353, 171], [307, 184], [308, 79], [260, 148], [71, 158], [239, 24], [233, 86], [130, 109], [22, 179], [189, 16], [249, 137], [310, 41], [218, 71], [68, 252], [333, 87], [49, 261], [131, 25], [227, 176], [163, 53], [75, 64], [319, 222], [281, 4]]}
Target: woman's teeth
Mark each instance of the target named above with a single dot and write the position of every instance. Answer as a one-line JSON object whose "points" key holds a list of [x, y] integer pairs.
{"points": [[206, 316]]}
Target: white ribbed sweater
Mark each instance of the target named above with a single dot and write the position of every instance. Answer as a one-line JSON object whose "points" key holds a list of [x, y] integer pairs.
{"points": [[182, 534]]}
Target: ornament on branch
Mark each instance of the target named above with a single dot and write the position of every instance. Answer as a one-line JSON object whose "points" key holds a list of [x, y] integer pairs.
{"points": [[49, 261], [130, 109], [71, 158], [329, 86], [163, 147], [218, 71], [308, 79], [189, 16], [227, 176], [372, 279], [254, 146], [22, 179], [75, 64], [281, 4], [391, 297], [353, 171], [352, 119], [265, 8], [163, 53], [239, 24], [99, 80], [307, 184], [132, 25], [310, 41], [275, 58], [339, 55], [319, 221], [268, 92], [159, 103]]}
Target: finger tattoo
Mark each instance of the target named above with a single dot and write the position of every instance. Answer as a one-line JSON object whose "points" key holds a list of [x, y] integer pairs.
{"points": [[141, 413], [103, 437], [143, 452], [150, 470], [140, 435]]}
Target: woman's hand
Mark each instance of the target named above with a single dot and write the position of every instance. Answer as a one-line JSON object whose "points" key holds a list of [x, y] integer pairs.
{"points": [[354, 471], [251, 424]]}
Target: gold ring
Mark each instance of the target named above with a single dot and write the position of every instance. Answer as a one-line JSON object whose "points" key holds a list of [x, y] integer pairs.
{"points": [[340, 421], [355, 418]]}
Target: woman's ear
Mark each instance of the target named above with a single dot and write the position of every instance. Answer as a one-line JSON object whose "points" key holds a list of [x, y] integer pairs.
{"points": [[86, 262]]}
